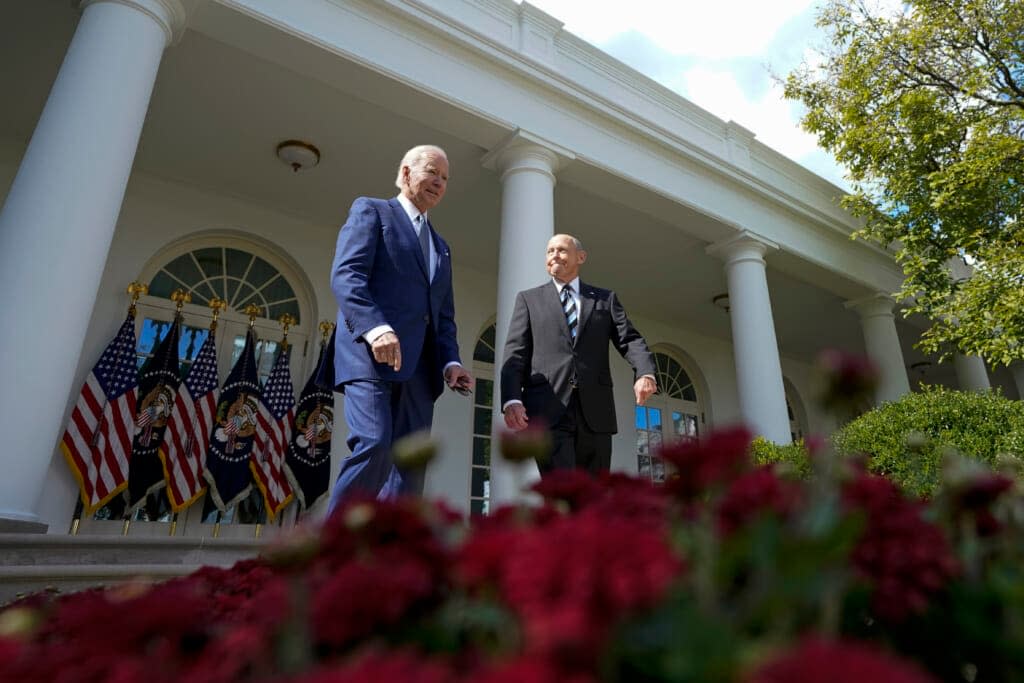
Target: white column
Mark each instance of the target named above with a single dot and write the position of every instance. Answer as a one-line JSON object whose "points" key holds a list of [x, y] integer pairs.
{"points": [[1017, 369], [755, 349], [971, 374], [527, 168], [57, 223], [882, 343]]}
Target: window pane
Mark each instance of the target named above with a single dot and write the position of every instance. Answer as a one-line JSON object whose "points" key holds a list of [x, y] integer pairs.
{"points": [[484, 392], [232, 289], [238, 263], [162, 285], [211, 261], [477, 507], [641, 417], [279, 309], [654, 418], [184, 268], [644, 465], [243, 297], [690, 394], [260, 272], [481, 451], [655, 442], [657, 469], [277, 290], [480, 476], [642, 446], [482, 421], [192, 339], [150, 335]]}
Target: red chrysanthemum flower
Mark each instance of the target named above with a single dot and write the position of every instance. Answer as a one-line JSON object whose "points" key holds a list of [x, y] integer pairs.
{"points": [[707, 463], [906, 559], [816, 660], [756, 493], [569, 581]]}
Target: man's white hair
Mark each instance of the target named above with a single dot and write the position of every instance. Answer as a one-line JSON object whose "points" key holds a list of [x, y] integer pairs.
{"points": [[414, 157]]}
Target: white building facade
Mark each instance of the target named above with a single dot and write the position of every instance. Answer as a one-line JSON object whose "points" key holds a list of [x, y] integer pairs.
{"points": [[137, 143]]}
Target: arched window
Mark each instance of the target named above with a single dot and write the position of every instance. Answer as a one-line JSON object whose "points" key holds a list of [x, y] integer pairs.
{"points": [[207, 268], [483, 412], [237, 276], [671, 415], [795, 411]]}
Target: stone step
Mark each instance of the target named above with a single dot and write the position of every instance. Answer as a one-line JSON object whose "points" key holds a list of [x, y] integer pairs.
{"points": [[34, 562], [41, 549], [21, 580]]}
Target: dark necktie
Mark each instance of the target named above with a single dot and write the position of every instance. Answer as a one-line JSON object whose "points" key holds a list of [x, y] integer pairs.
{"points": [[424, 240], [569, 308]]}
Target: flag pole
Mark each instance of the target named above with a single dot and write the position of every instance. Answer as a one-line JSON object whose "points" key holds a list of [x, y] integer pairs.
{"points": [[180, 297], [76, 518], [217, 305], [286, 320], [135, 290]]}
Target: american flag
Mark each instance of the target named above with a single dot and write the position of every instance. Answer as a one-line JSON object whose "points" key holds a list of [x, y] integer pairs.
{"points": [[98, 440], [273, 432], [183, 451]]}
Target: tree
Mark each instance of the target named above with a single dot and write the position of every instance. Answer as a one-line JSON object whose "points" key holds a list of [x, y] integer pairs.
{"points": [[925, 108]]}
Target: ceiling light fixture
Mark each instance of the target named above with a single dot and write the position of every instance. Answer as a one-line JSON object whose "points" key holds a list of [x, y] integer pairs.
{"points": [[298, 154]]}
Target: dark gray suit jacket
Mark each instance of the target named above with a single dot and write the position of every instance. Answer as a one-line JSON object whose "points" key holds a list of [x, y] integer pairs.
{"points": [[541, 361]]}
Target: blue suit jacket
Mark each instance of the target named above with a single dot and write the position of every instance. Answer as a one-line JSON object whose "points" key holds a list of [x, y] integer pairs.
{"points": [[379, 276]]}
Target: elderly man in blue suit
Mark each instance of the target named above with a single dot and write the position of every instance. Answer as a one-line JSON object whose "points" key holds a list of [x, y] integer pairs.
{"points": [[395, 348]]}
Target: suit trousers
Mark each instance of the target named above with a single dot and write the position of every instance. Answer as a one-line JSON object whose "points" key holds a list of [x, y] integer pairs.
{"points": [[379, 413], [575, 445]]}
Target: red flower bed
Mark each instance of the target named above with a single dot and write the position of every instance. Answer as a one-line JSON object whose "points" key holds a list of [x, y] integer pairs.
{"points": [[728, 573]]}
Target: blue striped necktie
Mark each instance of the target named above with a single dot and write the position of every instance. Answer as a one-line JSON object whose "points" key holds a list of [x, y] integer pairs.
{"points": [[569, 308]]}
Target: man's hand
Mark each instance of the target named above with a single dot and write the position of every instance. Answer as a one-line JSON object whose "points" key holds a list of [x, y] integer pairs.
{"points": [[458, 379], [515, 417], [387, 350], [644, 388]]}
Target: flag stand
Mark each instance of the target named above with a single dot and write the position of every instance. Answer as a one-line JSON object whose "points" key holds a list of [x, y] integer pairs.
{"points": [[76, 518]]}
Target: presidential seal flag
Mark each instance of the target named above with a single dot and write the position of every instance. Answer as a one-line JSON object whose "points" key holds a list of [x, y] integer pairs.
{"points": [[98, 440], [234, 429], [158, 384], [308, 462], [273, 432], [187, 436]]}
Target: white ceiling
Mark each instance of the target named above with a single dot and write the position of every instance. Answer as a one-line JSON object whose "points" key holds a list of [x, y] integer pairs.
{"points": [[218, 112]]}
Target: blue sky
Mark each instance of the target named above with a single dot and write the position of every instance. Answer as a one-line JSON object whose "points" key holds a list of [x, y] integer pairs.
{"points": [[719, 54]]}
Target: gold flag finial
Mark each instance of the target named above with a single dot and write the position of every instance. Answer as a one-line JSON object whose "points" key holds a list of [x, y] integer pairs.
{"points": [[180, 297], [326, 327], [135, 290], [286, 320], [253, 311], [217, 305]]}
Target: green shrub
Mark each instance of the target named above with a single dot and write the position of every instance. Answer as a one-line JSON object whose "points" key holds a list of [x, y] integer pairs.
{"points": [[791, 456], [906, 439]]}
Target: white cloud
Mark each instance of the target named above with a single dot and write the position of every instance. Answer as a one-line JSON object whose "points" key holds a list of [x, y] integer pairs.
{"points": [[770, 116], [715, 30], [707, 52]]}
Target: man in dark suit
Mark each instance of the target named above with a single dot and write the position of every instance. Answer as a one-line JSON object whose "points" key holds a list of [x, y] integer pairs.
{"points": [[556, 361], [396, 346]]}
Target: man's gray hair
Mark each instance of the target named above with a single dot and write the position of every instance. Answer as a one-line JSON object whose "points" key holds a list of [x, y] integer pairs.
{"points": [[415, 157], [575, 240]]}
